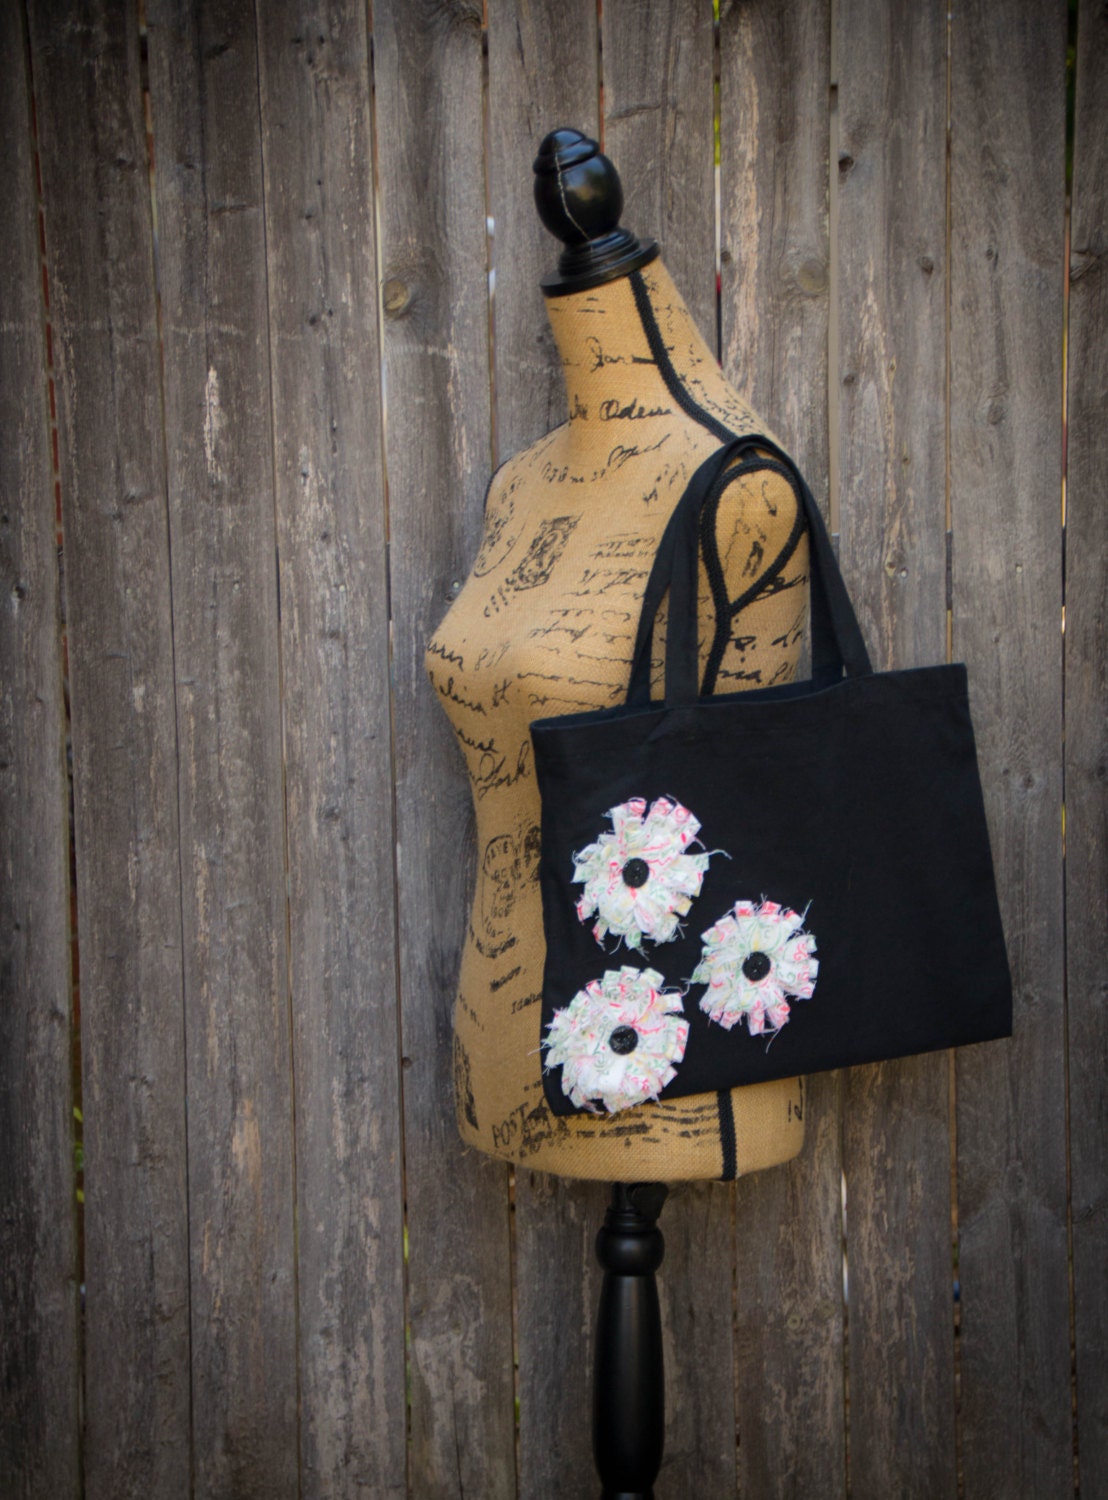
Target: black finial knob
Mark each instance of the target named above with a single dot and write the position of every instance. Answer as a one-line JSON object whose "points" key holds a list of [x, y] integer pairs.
{"points": [[579, 198]]}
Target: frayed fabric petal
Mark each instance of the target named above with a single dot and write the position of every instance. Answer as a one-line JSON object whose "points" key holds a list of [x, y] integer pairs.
{"points": [[641, 877], [754, 961], [619, 1041]]}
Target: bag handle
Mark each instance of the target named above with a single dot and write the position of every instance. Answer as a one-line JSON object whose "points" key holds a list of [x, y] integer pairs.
{"points": [[837, 643]]}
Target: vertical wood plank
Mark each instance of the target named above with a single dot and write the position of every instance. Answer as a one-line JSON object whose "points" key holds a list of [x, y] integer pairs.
{"points": [[320, 235], [39, 1355], [789, 1296], [430, 153], [99, 251], [658, 112], [558, 1287], [1086, 657], [658, 129], [775, 310], [774, 239], [543, 73], [1007, 190], [698, 1335], [211, 253], [891, 174]]}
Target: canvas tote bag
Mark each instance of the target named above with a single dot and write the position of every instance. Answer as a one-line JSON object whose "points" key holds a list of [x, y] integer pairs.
{"points": [[753, 885]]}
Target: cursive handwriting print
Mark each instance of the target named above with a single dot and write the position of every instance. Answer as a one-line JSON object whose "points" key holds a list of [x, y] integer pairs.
{"points": [[545, 625]]}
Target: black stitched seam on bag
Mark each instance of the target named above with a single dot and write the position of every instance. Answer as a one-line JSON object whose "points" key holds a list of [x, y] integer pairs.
{"points": [[727, 1140], [710, 547]]}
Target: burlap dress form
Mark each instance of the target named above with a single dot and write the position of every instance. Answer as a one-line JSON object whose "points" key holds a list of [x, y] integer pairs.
{"points": [[544, 625]]}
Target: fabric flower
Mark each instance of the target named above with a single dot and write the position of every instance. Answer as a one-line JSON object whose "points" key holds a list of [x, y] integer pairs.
{"points": [[640, 878], [618, 1041], [754, 960]]}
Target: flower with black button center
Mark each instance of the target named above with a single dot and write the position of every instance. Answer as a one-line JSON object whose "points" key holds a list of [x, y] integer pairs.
{"points": [[641, 877], [619, 1040], [754, 961]]}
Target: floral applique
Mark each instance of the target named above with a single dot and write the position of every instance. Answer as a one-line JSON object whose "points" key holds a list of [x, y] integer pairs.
{"points": [[619, 1040], [641, 877], [754, 961]]}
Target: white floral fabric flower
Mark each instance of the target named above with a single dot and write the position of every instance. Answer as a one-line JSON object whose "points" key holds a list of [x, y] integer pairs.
{"points": [[754, 961], [619, 1040], [641, 877]]}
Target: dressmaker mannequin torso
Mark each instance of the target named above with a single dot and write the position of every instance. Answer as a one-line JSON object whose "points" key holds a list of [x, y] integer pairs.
{"points": [[545, 625]]}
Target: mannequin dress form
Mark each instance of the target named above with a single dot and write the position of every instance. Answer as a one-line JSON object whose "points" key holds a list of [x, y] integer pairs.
{"points": [[545, 624]]}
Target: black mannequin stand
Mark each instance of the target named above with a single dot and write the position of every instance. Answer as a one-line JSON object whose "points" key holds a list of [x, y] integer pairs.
{"points": [[629, 1389]]}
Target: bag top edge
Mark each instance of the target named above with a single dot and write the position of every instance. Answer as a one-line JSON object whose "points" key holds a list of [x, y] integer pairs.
{"points": [[755, 697]]}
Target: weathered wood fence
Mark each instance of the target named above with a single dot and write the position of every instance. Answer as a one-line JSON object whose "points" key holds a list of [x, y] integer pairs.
{"points": [[253, 384]]}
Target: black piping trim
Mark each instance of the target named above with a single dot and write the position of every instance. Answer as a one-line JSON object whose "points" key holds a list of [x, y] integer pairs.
{"points": [[727, 1141], [488, 487], [665, 364], [725, 610]]}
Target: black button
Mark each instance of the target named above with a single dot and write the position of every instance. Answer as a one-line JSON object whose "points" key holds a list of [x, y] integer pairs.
{"points": [[623, 1039], [636, 872], [756, 966]]}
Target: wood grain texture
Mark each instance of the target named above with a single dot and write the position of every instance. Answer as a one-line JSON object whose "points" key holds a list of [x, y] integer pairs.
{"points": [[558, 1287], [1007, 190], [39, 1355], [318, 154], [110, 448], [891, 174], [789, 1314], [1086, 685], [543, 74], [774, 238], [658, 112], [698, 1338], [428, 60], [219, 444], [775, 308]]}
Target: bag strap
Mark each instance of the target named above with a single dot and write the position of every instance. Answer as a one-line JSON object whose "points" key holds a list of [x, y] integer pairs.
{"points": [[837, 643]]}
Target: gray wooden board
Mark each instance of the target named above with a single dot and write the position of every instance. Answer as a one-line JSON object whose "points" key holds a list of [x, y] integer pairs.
{"points": [[1007, 203], [1086, 655], [558, 1289], [543, 74], [774, 243], [212, 278], [99, 252], [318, 151], [789, 1314], [896, 1145], [428, 79], [658, 112], [698, 1340], [775, 290], [891, 181], [39, 1368]]}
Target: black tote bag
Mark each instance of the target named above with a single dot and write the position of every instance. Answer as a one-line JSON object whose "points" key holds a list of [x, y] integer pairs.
{"points": [[748, 886]]}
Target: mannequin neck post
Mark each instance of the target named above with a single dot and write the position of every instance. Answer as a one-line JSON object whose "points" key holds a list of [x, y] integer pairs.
{"points": [[633, 360]]}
